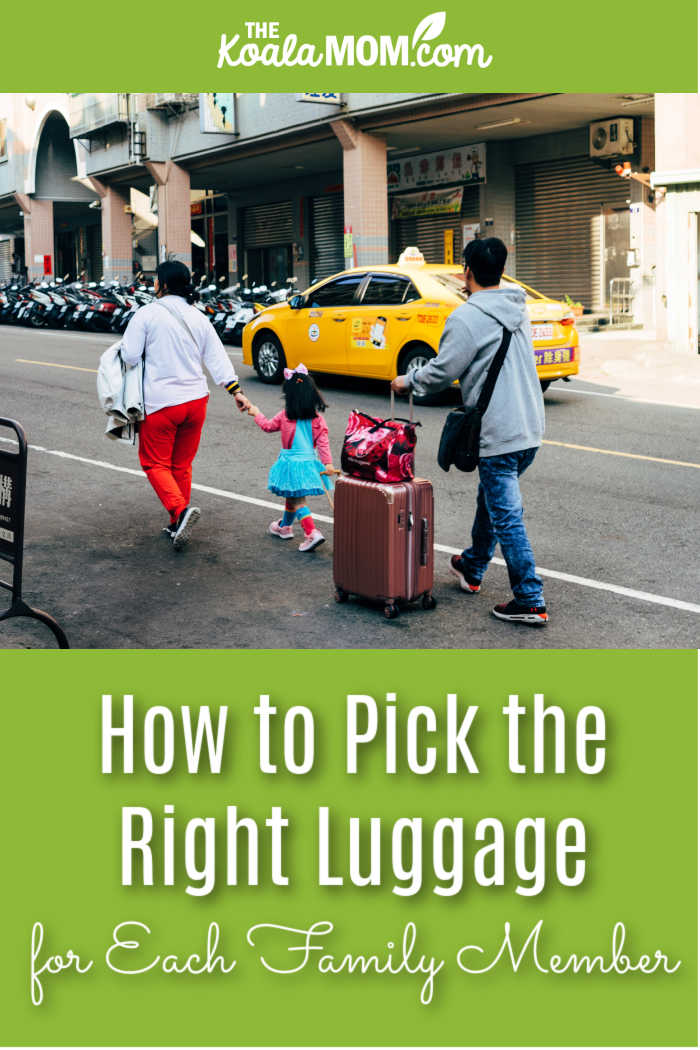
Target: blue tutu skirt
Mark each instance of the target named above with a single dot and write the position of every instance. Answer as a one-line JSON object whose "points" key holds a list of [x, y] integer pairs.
{"points": [[296, 473]]}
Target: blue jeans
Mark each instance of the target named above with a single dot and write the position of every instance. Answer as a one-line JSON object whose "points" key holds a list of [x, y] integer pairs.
{"points": [[499, 519]]}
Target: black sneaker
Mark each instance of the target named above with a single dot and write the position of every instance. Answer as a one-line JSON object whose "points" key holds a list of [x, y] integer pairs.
{"points": [[169, 529], [467, 583], [183, 526], [514, 612]]}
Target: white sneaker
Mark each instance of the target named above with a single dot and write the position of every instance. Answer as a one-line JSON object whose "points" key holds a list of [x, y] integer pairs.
{"points": [[313, 541], [188, 518]]}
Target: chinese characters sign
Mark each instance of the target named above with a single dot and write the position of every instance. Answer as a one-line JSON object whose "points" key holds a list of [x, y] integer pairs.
{"points": [[459, 164], [432, 202], [8, 504]]}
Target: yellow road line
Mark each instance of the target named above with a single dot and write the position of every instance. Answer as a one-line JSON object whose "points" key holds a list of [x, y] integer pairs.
{"points": [[51, 364], [627, 455]]}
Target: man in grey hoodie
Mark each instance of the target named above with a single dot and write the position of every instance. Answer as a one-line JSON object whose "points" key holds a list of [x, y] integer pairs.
{"points": [[512, 426]]}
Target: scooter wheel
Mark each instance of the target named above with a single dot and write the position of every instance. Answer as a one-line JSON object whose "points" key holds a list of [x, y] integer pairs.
{"points": [[428, 602], [341, 595], [391, 611]]}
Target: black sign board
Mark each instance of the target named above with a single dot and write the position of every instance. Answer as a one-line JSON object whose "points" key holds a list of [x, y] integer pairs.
{"points": [[13, 488]]}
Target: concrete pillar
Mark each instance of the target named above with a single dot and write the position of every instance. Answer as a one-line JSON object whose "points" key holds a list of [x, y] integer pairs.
{"points": [[174, 215], [116, 235], [365, 190], [38, 234], [677, 177]]}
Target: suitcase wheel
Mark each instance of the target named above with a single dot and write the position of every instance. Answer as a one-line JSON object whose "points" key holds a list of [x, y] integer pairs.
{"points": [[428, 602], [341, 595], [391, 610]]}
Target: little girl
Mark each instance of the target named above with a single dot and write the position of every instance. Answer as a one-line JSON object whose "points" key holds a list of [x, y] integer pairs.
{"points": [[305, 450]]}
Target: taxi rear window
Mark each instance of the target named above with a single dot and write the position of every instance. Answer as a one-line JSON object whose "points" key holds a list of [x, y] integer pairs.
{"points": [[389, 289]]}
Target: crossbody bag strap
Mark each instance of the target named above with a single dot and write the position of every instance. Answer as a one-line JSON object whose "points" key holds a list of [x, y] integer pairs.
{"points": [[492, 375], [180, 318]]}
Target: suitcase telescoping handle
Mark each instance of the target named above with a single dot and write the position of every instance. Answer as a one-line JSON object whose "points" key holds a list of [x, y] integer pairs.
{"points": [[410, 405]]}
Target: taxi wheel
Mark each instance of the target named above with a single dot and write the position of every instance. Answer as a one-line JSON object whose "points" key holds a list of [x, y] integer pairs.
{"points": [[544, 383], [269, 358], [416, 357]]}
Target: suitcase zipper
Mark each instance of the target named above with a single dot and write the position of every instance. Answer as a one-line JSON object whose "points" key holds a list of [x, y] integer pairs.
{"points": [[409, 540]]}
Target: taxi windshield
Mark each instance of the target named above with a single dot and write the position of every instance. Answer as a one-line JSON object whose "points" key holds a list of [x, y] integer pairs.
{"points": [[455, 283]]}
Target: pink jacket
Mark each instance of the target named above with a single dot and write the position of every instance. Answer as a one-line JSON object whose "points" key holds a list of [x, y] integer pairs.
{"points": [[319, 431]]}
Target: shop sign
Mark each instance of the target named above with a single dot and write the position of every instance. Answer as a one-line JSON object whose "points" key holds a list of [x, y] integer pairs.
{"points": [[432, 202], [216, 113], [331, 98], [459, 164]]}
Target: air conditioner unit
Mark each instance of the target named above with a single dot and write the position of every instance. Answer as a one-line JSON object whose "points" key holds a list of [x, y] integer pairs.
{"points": [[608, 138], [171, 100]]}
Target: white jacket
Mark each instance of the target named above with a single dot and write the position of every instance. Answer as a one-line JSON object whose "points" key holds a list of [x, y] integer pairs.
{"points": [[120, 392], [176, 341]]}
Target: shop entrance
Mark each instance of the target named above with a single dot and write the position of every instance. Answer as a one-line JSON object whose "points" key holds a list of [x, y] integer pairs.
{"points": [[616, 243], [269, 266]]}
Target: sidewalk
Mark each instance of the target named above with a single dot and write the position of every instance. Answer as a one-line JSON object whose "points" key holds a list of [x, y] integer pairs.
{"points": [[636, 365]]}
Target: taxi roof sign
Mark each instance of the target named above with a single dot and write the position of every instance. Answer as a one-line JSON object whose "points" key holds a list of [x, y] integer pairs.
{"points": [[411, 255]]}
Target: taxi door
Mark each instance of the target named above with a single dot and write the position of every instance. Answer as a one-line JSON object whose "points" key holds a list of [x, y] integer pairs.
{"points": [[380, 324], [321, 335]]}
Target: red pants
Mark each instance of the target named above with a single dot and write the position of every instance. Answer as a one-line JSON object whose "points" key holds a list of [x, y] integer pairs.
{"points": [[168, 443]]}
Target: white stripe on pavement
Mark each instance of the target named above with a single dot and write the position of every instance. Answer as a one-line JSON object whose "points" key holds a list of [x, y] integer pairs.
{"points": [[619, 397], [581, 581]]}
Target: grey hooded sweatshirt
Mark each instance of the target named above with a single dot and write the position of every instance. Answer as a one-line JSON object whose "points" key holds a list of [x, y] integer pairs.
{"points": [[514, 419]]}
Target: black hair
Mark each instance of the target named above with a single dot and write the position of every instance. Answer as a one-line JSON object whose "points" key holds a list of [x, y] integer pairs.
{"points": [[177, 279], [486, 259], [302, 398]]}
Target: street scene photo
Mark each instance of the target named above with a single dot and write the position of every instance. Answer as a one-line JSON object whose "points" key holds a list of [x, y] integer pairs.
{"points": [[349, 371]]}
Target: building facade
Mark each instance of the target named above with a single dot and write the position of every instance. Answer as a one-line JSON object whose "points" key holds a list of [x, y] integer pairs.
{"points": [[258, 188]]}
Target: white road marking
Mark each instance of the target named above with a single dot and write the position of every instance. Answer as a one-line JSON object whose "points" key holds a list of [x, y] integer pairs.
{"points": [[618, 397], [581, 581], [62, 333]]}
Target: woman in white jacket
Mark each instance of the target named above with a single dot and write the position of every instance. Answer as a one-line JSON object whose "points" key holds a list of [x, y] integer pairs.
{"points": [[175, 340]]}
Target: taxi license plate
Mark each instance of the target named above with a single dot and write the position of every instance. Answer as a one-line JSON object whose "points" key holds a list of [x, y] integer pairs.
{"points": [[540, 332]]}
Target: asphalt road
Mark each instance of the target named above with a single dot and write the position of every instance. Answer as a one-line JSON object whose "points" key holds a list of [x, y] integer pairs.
{"points": [[620, 511]]}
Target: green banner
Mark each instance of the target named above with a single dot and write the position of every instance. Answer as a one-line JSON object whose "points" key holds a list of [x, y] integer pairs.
{"points": [[412, 848], [313, 48]]}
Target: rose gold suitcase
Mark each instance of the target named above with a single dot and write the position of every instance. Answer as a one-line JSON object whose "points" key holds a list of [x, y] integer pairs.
{"points": [[383, 542]]}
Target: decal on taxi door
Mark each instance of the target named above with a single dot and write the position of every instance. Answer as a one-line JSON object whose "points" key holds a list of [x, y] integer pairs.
{"points": [[368, 332]]}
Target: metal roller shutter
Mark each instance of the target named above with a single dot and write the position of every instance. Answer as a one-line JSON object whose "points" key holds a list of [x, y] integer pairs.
{"points": [[427, 232], [327, 216], [5, 259], [558, 205], [268, 224]]}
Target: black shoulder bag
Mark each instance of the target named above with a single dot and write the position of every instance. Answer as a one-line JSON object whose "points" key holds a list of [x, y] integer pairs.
{"points": [[459, 441]]}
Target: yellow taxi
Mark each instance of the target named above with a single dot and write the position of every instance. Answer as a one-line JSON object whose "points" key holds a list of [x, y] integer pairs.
{"points": [[382, 321]]}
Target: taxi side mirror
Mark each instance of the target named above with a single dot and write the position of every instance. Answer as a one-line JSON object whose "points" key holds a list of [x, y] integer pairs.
{"points": [[296, 302]]}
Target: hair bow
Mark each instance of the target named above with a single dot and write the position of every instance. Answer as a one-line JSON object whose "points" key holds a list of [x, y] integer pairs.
{"points": [[301, 369]]}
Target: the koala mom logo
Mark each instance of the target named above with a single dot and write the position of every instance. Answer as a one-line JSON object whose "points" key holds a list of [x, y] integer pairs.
{"points": [[263, 45]]}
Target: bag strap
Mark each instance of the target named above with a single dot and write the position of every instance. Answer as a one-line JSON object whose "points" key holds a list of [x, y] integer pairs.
{"points": [[410, 406], [492, 375], [178, 317]]}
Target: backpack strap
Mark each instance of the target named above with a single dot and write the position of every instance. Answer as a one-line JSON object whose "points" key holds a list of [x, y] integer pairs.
{"points": [[180, 319], [492, 374]]}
